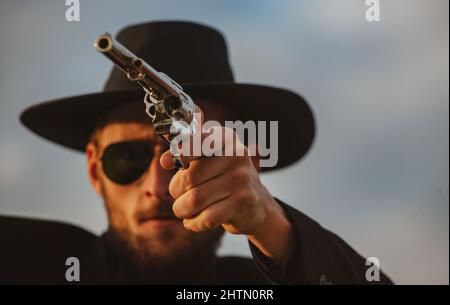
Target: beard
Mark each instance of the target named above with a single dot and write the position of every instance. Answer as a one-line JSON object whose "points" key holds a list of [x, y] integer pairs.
{"points": [[167, 256]]}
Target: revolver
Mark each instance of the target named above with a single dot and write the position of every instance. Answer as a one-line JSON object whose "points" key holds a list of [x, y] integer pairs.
{"points": [[172, 111]]}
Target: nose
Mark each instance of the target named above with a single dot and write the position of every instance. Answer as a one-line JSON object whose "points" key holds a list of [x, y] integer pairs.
{"points": [[156, 180]]}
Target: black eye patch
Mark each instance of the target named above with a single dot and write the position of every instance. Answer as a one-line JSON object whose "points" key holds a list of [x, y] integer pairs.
{"points": [[125, 162]]}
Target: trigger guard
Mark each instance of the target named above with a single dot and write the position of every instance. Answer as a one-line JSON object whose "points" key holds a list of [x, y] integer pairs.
{"points": [[179, 164]]}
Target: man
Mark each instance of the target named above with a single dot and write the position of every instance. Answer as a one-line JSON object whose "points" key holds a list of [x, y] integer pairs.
{"points": [[166, 224]]}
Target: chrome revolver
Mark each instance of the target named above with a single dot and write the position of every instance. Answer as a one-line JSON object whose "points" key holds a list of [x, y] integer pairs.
{"points": [[172, 111]]}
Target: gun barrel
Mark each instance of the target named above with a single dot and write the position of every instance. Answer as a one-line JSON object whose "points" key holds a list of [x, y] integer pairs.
{"points": [[135, 68], [116, 52], [158, 86]]}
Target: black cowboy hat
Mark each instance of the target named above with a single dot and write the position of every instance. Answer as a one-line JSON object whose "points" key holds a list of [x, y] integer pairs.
{"points": [[196, 57]]}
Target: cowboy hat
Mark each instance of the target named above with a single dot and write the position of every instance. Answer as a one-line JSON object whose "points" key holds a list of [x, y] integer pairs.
{"points": [[196, 57]]}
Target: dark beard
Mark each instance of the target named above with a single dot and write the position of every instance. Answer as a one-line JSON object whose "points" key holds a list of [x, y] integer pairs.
{"points": [[190, 264]]}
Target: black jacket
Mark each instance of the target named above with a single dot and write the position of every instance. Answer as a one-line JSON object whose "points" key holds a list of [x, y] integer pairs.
{"points": [[35, 252]]}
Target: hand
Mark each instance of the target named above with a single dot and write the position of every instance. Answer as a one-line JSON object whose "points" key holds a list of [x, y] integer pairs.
{"points": [[226, 191], [219, 190]]}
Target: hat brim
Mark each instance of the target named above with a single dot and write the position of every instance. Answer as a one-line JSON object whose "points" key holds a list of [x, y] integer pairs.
{"points": [[70, 121]]}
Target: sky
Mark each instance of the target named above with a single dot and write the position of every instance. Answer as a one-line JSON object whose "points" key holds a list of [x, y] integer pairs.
{"points": [[377, 174]]}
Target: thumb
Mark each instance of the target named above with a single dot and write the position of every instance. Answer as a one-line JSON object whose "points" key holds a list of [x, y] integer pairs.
{"points": [[166, 160]]}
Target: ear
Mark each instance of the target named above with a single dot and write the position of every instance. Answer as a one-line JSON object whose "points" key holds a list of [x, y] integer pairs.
{"points": [[92, 168]]}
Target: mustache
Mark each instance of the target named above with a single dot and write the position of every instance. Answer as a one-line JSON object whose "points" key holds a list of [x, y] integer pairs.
{"points": [[159, 210]]}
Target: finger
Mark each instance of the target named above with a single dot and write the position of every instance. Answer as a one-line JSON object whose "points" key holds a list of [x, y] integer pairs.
{"points": [[215, 140], [217, 214], [166, 160], [200, 171], [202, 196]]}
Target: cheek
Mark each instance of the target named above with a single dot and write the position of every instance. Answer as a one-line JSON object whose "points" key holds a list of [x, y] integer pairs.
{"points": [[121, 202]]}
